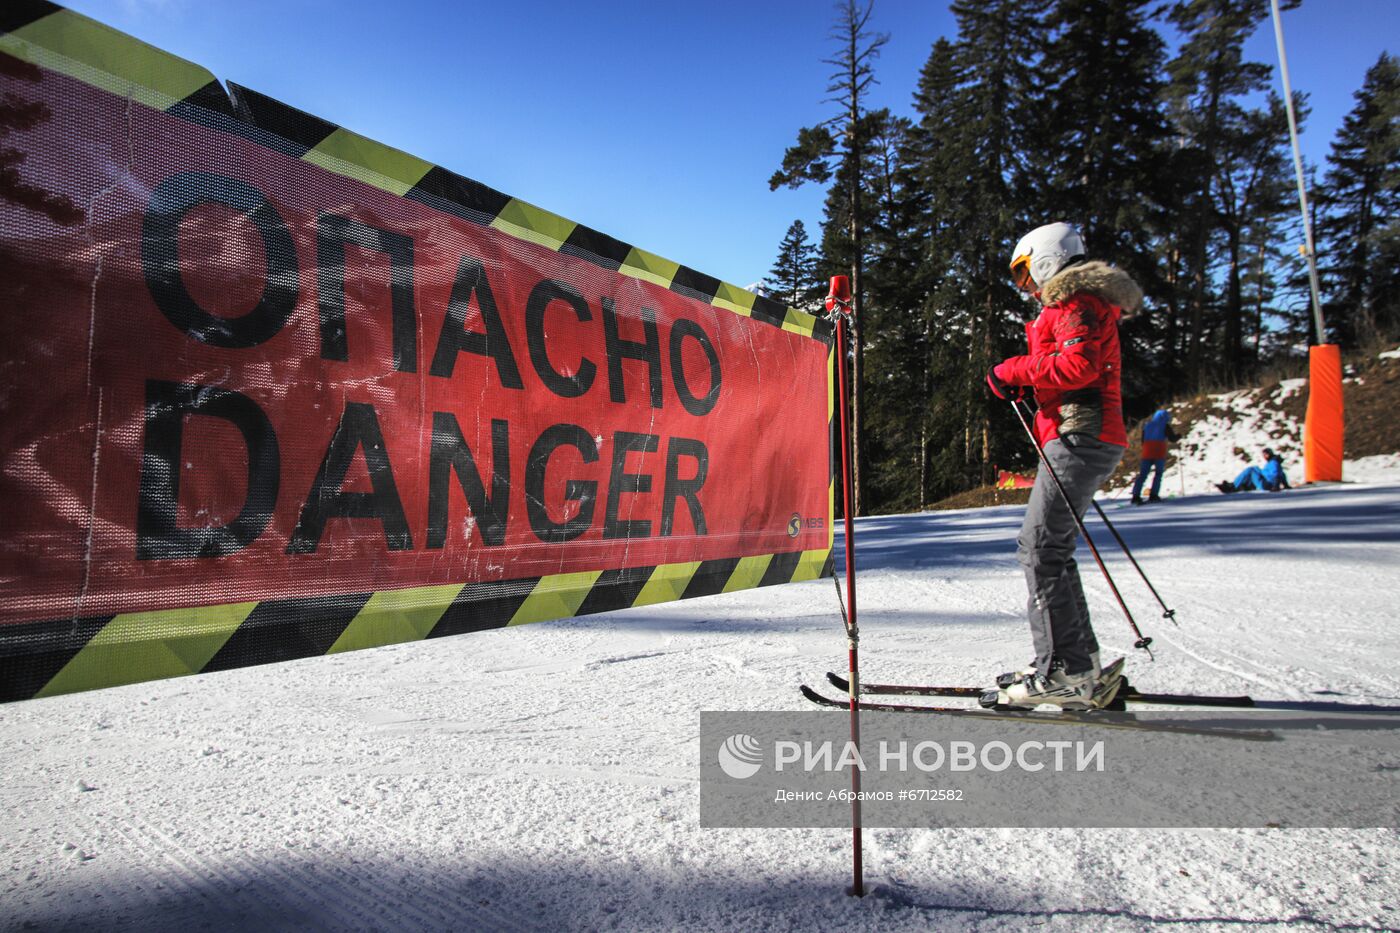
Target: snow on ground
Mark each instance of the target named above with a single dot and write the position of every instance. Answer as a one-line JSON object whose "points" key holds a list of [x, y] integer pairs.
{"points": [[1219, 445], [1382, 468], [546, 777], [1243, 422]]}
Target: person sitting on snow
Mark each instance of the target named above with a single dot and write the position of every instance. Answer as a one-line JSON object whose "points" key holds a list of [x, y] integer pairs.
{"points": [[1270, 478]]}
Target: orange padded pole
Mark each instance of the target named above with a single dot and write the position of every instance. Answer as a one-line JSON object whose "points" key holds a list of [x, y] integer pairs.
{"points": [[1324, 428]]}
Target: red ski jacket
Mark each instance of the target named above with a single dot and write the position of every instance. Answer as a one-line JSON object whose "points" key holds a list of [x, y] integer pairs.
{"points": [[1074, 359]]}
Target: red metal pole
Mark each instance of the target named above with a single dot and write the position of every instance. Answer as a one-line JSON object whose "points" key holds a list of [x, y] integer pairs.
{"points": [[838, 302]]}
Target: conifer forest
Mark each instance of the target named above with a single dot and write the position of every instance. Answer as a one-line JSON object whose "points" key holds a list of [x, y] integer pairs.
{"points": [[1144, 124]]}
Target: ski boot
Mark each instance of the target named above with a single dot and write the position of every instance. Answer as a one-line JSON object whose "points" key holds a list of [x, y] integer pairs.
{"points": [[1010, 677], [1058, 688], [1071, 692]]}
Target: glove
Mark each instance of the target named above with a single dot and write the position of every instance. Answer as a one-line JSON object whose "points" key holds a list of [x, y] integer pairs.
{"points": [[1003, 391]]}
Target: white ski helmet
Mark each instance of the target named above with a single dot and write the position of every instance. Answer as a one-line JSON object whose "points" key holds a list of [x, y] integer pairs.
{"points": [[1043, 252]]}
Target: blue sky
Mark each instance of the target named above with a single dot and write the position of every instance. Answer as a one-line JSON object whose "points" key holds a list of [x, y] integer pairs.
{"points": [[656, 122]]}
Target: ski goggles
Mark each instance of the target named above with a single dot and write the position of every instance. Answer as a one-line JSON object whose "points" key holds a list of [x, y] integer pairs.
{"points": [[1021, 273]]}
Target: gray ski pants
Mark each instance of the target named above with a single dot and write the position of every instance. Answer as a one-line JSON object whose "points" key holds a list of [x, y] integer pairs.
{"points": [[1059, 616]]}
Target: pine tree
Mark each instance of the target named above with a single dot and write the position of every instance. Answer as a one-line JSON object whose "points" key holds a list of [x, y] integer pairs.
{"points": [[897, 335], [1104, 127], [1209, 79], [1251, 204], [793, 278], [838, 148], [1359, 232], [1103, 152], [940, 320], [1274, 282], [981, 196]]}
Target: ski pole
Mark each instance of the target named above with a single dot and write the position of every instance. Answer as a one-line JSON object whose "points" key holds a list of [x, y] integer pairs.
{"points": [[1143, 641], [838, 304], [1168, 614]]}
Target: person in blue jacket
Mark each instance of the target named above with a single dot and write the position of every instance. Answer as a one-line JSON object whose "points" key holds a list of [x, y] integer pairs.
{"points": [[1271, 477], [1156, 434]]}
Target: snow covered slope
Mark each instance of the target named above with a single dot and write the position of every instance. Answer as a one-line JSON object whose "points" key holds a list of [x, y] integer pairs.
{"points": [[1223, 433], [546, 777]]}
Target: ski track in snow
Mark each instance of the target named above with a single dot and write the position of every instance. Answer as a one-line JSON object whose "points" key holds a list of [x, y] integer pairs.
{"points": [[545, 778]]}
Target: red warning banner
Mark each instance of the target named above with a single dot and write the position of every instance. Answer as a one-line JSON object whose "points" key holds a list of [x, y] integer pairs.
{"points": [[232, 375]]}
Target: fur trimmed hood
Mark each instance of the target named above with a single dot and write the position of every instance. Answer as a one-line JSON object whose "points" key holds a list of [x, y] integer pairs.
{"points": [[1098, 278]]}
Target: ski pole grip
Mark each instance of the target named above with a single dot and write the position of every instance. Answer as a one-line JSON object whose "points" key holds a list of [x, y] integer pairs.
{"points": [[840, 293]]}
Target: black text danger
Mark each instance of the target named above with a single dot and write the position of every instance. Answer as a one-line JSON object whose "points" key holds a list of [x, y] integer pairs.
{"points": [[598, 491]]}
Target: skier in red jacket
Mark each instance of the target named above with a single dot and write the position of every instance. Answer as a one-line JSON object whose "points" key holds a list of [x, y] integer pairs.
{"points": [[1072, 365]]}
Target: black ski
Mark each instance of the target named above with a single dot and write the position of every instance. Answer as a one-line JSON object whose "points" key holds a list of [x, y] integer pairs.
{"points": [[1125, 692], [1088, 718]]}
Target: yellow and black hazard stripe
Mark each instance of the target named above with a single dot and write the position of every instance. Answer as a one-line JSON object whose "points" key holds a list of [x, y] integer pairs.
{"points": [[40, 659], [311, 139], [50, 36]]}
